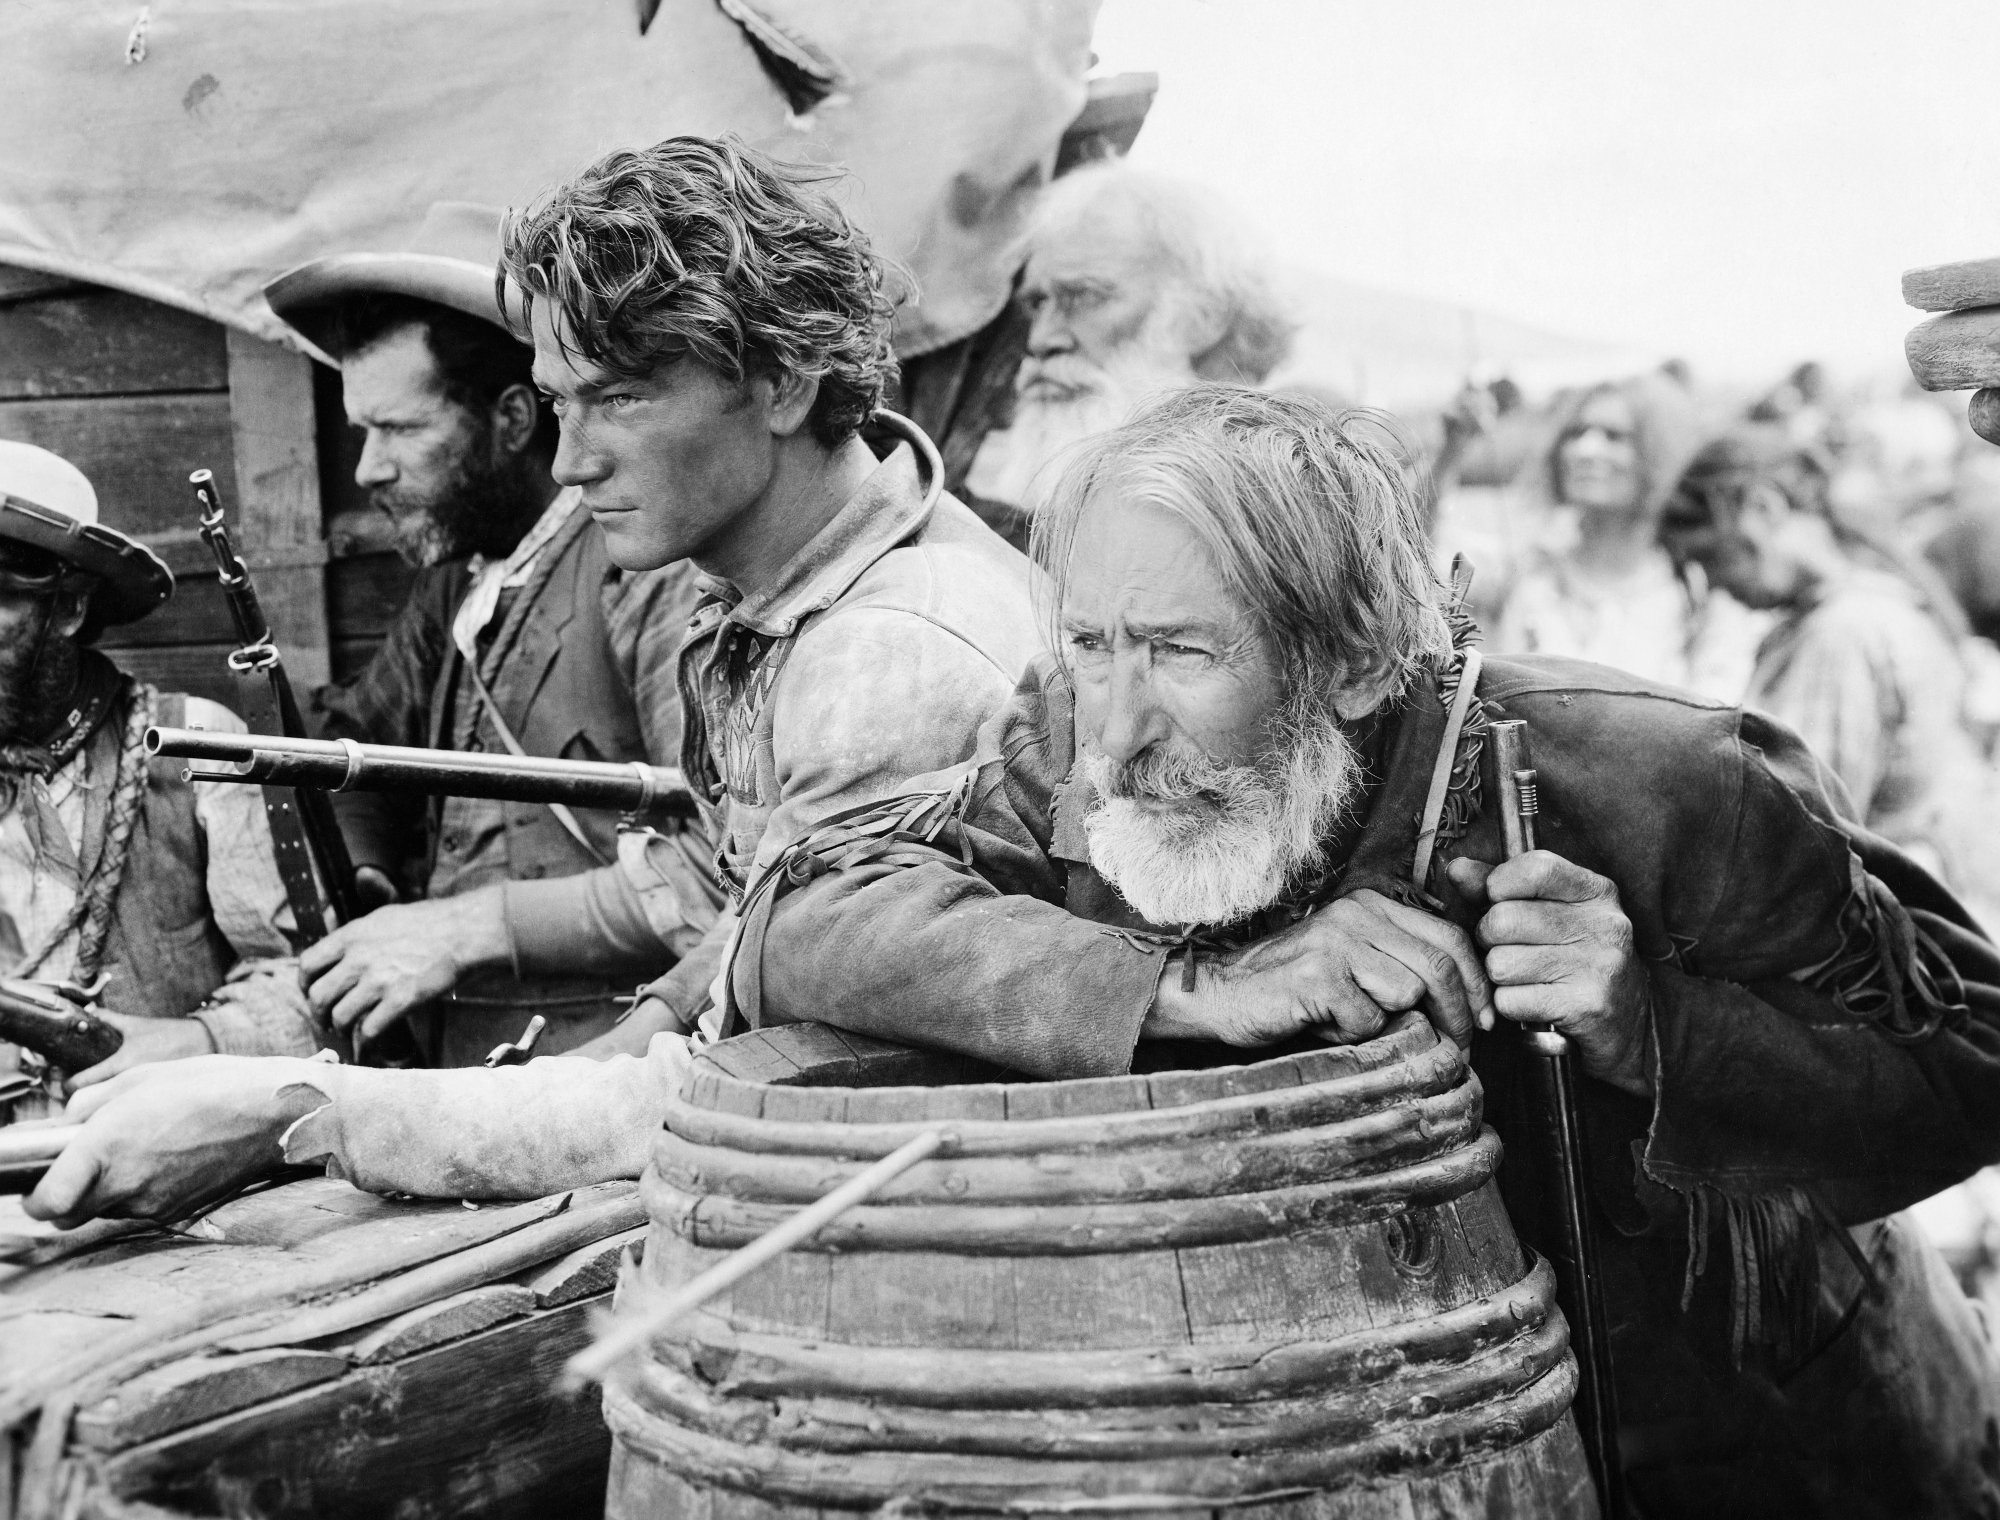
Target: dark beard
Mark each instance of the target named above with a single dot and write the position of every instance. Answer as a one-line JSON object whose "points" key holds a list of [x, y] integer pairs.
{"points": [[32, 691], [481, 508]]}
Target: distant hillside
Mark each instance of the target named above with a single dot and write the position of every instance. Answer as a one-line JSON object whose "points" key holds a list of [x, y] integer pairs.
{"points": [[1385, 348]]}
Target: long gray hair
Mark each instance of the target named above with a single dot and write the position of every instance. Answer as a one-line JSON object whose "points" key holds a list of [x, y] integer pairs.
{"points": [[1314, 527]]}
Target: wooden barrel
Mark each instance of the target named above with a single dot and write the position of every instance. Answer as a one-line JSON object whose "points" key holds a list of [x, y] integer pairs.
{"points": [[1280, 1289], [309, 1350]]}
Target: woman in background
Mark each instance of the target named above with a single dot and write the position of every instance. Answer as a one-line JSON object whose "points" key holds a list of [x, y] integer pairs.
{"points": [[1863, 660], [1605, 590]]}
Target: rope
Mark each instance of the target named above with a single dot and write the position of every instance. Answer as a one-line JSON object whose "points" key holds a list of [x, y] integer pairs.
{"points": [[94, 902]]}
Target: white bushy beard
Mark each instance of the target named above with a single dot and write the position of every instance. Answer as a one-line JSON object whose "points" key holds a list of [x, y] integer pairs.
{"points": [[1098, 397], [1239, 834]]}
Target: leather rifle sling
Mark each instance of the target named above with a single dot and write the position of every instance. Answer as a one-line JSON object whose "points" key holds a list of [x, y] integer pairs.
{"points": [[288, 835], [563, 815], [1447, 758]]}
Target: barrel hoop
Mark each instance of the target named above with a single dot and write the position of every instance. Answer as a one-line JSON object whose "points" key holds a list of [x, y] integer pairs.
{"points": [[970, 1228], [793, 1056], [950, 1482], [755, 1364], [1424, 1074], [1408, 1132], [1109, 1433]]}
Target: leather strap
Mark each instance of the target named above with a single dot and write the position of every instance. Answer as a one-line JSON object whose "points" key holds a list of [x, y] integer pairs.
{"points": [[563, 815], [1447, 757], [288, 836]]}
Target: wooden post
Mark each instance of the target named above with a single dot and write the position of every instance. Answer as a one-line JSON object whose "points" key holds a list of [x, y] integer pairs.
{"points": [[278, 507]]}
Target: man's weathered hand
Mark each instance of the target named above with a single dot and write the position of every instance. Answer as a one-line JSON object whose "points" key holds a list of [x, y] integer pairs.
{"points": [[160, 1141], [371, 972], [1348, 966], [1559, 950], [146, 1041]]}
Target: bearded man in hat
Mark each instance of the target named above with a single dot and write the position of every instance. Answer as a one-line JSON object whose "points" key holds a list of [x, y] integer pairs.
{"points": [[520, 635], [114, 870]]}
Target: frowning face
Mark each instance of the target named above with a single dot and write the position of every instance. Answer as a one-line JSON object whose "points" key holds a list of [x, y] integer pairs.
{"points": [[1216, 784]]}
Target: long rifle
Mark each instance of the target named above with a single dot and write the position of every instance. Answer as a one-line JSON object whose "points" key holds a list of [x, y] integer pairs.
{"points": [[640, 791], [303, 828], [1552, 1061]]}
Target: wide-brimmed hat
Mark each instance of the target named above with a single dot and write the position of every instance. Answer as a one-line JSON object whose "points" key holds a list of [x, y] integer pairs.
{"points": [[451, 261], [47, 502]]}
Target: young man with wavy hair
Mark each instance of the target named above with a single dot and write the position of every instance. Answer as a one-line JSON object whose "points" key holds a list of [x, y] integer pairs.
{"points": [[714, 336]]}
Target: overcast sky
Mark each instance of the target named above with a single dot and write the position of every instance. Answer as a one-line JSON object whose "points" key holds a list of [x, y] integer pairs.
{"points": [[1738, 181]]}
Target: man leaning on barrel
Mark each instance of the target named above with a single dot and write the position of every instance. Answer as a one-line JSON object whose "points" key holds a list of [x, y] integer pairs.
{"points": [[1204, 815]]}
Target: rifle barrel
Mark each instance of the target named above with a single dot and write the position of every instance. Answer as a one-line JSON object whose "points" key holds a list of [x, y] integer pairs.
{"points": [[340, 765], [26, 1151]]}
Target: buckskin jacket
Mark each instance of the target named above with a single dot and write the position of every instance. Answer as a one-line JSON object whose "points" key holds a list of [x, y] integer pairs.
{"points": [[1827, 1022], [580, 663], [877, 654]]}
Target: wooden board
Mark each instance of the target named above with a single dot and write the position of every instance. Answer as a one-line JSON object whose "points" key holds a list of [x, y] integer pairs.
{"points": [[465, 1429], [137, 450], [95, 342], [276, 513], [197, 669]]}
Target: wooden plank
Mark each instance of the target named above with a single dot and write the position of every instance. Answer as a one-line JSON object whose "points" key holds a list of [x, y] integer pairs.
{"points": [[278, 501], [97, 342], [1953, 287], [1292, 1287], [1084, 1095], [449, 1319], [199, 1388], [471, 1428], [197, 669], [1082, 1303], [137, 450], [922, 1298], [586, 1270]]}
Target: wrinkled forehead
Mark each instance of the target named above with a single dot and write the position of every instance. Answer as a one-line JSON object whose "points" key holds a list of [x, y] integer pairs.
{"points": [[1135, 562], [560, 365], [1108, 243]]}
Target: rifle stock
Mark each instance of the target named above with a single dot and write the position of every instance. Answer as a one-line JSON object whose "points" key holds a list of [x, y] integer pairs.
{"points": [[54, 1028]]}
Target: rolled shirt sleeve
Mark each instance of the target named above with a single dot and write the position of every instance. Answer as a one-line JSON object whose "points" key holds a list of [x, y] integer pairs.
{"points": [[515, 1132]]}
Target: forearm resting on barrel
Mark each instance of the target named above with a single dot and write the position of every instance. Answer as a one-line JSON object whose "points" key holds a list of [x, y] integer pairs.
{"points": [[930, 956], [514, 1132]]}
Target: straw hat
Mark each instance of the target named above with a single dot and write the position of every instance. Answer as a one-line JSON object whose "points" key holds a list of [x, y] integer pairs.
{"points": [[48, 502]]}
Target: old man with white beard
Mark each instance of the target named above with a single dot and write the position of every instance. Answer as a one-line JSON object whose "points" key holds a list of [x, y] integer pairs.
{"points": [[1133, 284], [1242, 802]]}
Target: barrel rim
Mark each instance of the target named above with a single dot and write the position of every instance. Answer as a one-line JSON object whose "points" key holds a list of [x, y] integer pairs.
{"points": [[734, 1075]]}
